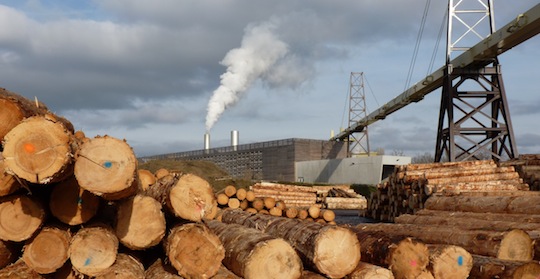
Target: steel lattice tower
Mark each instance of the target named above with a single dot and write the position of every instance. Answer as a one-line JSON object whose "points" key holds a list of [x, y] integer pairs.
{"points": [[474, 118], [357, 142]]}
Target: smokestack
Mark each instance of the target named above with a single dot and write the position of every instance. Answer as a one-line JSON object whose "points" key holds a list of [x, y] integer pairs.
{"points": [[234, 139], [206, 141]]}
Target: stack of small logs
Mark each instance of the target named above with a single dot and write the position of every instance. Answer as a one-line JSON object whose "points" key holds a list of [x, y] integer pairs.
{"points": [[528, 167], [247, 200], [340, 197], [407, 189], [292, 195]]}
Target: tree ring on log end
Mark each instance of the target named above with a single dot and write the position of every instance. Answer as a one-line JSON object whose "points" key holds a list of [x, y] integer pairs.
{"points": [[106, 165], [47, 252], [516, 245], [20, 218], [38, 150], [333, 254], [93, 250], [265, 257]]}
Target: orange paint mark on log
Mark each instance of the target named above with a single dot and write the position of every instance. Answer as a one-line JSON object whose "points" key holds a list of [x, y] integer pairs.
{"points": [[29, 148]]}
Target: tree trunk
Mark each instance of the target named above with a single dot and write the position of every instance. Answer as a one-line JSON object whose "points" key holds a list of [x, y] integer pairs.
{"points": [[331, 250], [161, 270], [291, 212], [241, 194], [48, 250], [233, 203], [368, 271], [146, 178], [254, 254], [510, 245], [93, 249], [222, 199], [125, 267], [314, 211], [194, 251], [71, 204], [488, 268], [140, 223], [39, 150], [229, 190], [20, 217], [191, 198], [405, 256], [518, 218], [529, 204], [449, 262], [107, 167]]}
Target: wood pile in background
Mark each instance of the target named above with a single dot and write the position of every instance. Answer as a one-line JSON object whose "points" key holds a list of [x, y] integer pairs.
{"points": [[408, 188], [340, 197], [528, 167]]}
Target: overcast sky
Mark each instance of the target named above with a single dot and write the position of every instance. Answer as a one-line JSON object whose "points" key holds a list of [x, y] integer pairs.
{"points": [[146, 71]]}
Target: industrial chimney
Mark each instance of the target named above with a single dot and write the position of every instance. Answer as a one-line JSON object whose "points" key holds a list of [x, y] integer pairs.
{"points": [[234, 139], [206, 142]]}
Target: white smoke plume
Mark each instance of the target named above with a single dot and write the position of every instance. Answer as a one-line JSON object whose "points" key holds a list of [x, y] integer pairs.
{"points": [[260, 51]]}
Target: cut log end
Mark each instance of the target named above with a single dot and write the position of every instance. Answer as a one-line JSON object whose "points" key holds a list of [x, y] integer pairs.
{"points": [[450, 259], [337, 251], [263, 260], [516, 245], [410, 257], [20, 218], [192, 198], [93, 250], [48, 251]]}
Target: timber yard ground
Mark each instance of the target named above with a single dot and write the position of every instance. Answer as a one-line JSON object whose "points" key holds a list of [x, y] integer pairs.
{"points": [[350, 217]]}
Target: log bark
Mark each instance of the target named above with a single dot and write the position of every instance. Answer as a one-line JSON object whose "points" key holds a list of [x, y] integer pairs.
{"points": [[306, 274], [224, 273], [8, 182], [71, 204], [510, 245], [191, 198], [107, 167], [140, 223], [194, 251], [93, 249], [254, 254], [405, 256], [160, 270], [330, 250], [48, 250], [39, 150], [368, 271], [449, 262], [529, 204], [19, 270], [518, 218], [488, 268], [9, 252], [20, 217], [125, 267]]}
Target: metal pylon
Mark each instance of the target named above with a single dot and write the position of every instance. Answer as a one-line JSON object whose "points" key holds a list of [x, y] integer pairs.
{"points": [[358, 142], [474, 118]]}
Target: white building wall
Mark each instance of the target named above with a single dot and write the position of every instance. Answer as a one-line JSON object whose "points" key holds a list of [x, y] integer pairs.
{"points": [[356, 170]]}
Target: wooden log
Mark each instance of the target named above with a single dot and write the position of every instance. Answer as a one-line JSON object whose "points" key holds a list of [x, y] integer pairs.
{"points": [[48, 250], [140, 223], [67, 272], [39, 150], [250, 196], [314, 211], [107, 167], [19, 270], [493, 204], [20, 217], [161, 173], [449, 261], [254, 254], [366, 271], [291, 212], [302, 214], [275, 211], [269, 202], [488, 267], [474, 178], [410, 176], [244, 204], [146, 178], [93, 249], [8, 182], [405, 256], [509, 245], [9, 252], [194, 251], [488, 216], [125, 267], [271, 192], [241, 194], [330, 250], [222, 199], [328, 215], [233, 203], [281, 205], [229, 190], [161, 270], [448, 165], [225, 273], [258, 204], [307, 274], [71, 204], [251, 210], [191, 198]]}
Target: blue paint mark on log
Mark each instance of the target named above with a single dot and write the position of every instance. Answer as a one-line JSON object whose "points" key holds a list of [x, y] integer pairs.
{"points": [[460, 260], [107, 164], [87, 262]]}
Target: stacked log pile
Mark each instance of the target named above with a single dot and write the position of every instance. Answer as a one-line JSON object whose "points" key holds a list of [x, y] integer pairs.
{"points": [[528, 167], [340, 197], [292, 195], [408, 188], [238, 198]]}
